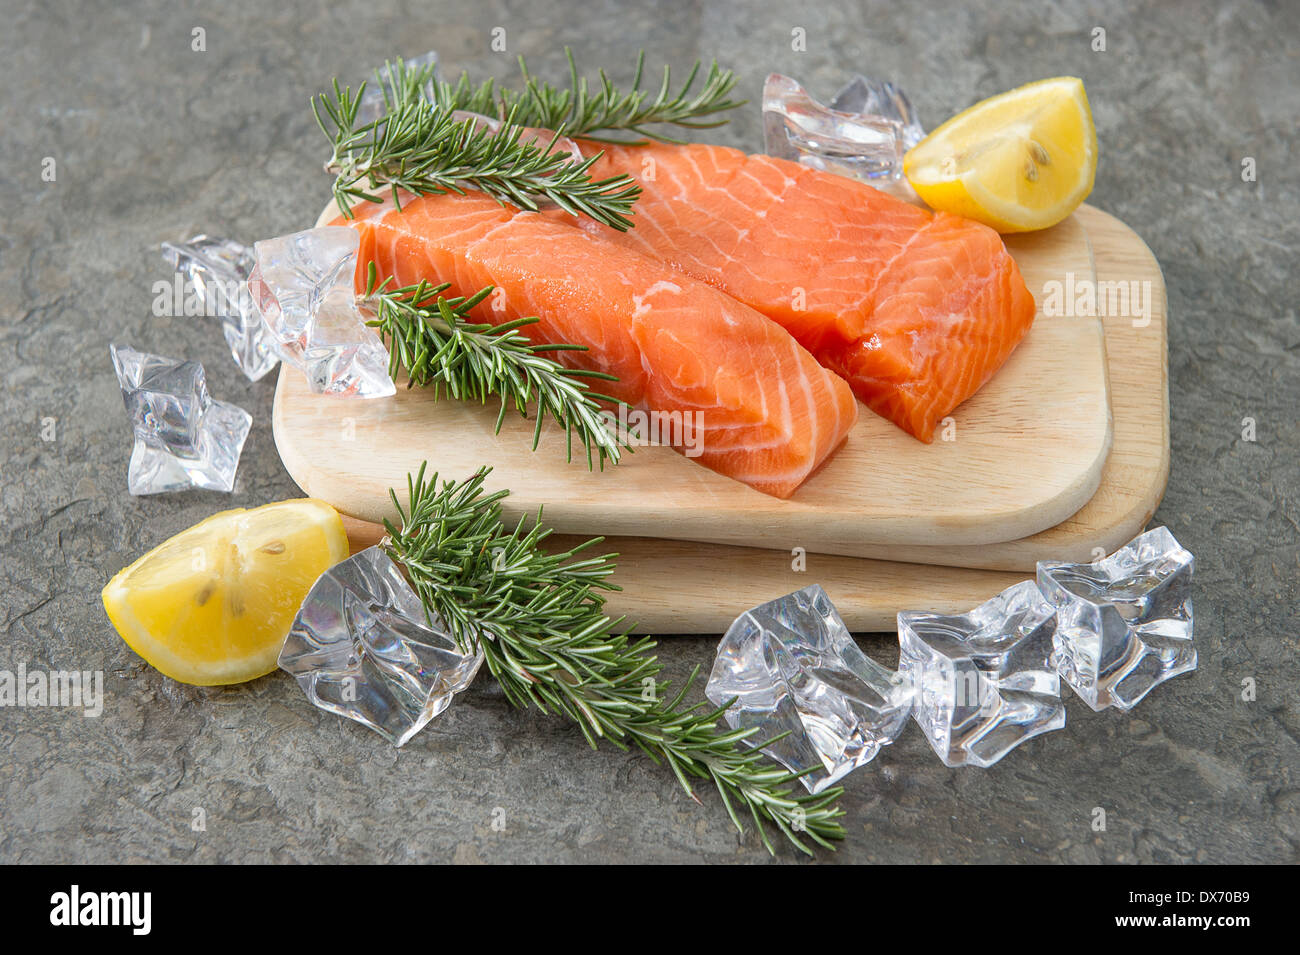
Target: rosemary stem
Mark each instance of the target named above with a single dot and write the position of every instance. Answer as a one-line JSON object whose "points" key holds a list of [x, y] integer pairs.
{"points": [[539, 619], [434, 339]]}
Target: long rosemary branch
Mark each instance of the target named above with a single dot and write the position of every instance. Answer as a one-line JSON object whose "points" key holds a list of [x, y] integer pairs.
{"points": [[433, 338], [418, 145], [539, 618]]}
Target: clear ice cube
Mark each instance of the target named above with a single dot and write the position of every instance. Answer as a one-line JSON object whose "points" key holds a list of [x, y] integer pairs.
{"points": [[183, 438], [1124, 624], [303, 287], [218, 270], [984, 681], [372, 106], [362, 647], [863, 96], [792, 666], [862, 135]]}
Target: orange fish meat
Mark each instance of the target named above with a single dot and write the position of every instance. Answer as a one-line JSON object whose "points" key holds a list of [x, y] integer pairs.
{"points": [[766, 412], [915, 310]]}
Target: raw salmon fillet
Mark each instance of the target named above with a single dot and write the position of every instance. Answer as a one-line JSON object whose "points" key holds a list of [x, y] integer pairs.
{"points": [[769, 414], [916, 310]]}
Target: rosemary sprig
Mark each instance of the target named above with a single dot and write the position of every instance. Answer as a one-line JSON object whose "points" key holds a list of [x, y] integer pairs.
{"points": [[578, 110], [593, 115], [539, 619], [433, 338], [418, 146]]}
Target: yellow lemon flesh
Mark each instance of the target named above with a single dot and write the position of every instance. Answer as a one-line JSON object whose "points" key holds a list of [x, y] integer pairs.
{"points": [[213, 604], [1023, 160]]}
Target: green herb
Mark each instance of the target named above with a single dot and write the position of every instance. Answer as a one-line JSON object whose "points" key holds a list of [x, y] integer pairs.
{"points": [[581, 112], [539, 619], [418, 146], [433, 338]]}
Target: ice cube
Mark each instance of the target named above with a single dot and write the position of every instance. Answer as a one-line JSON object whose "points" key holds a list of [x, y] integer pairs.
{"points": [[372, 105], [984, 681], [792, 666], [183, 438], [1124, 624], [218, 270], [864, 137], [362, 647], [303, 287], [863, 96]]}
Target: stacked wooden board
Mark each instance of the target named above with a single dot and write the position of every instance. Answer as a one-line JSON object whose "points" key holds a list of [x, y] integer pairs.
{"points": [[1065, 454]]}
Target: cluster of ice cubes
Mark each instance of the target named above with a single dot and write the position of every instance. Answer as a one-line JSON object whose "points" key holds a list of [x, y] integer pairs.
{"points": [[978, 683], [218, 270], [290, 298]]}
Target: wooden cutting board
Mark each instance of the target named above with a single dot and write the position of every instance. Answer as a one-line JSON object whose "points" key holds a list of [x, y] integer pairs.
{"points": [[1024, 454], [679, 587]]}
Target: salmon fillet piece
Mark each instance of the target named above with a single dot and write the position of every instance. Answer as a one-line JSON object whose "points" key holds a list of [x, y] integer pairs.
{"points": [[916, 310], [769, 414]]}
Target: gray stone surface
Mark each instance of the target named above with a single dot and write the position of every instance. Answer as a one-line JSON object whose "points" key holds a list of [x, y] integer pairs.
{"points": [[154, 141]]}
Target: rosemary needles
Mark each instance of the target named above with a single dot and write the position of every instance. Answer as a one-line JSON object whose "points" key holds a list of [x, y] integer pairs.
{"points": [[539, 618], [440, 347], [423, 143], [580, 111], [423, 149]]}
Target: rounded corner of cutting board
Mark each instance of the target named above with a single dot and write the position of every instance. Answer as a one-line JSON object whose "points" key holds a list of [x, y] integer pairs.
{"points": [[1136, 471], [1120, 251], [283, 436], [297, 460]]}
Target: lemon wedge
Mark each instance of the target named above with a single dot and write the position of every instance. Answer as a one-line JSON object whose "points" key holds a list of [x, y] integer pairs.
{"points": [[1019, 161], [214, 604]]}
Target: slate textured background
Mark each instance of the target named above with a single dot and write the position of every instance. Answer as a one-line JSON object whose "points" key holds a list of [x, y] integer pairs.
{"points": [[155, 141]]}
